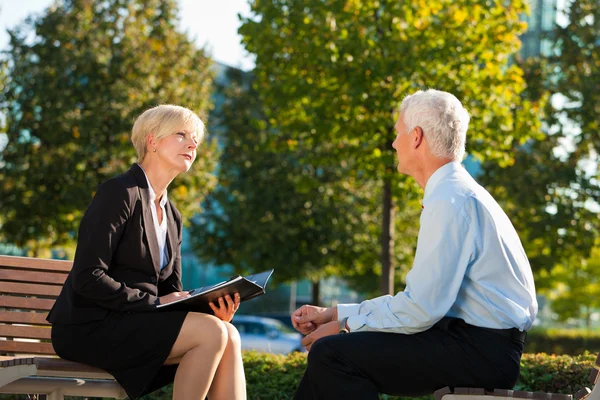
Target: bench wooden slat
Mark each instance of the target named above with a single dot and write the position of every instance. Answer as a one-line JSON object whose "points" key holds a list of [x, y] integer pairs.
{"points": [[11, 346], [26, 303], [582, 393], [49, 278], [593, 376], [27, 332], [29, 318], [30, 289], [10, 361], [57, 367], [58, 364], [36, 263], [440, 393]]}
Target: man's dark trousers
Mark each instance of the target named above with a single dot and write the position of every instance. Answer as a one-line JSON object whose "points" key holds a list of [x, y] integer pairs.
{"points": [[362, 364]]}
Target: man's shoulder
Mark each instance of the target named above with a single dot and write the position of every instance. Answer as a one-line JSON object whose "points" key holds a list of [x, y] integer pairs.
{"points": [[466, 195], [455, 190]]}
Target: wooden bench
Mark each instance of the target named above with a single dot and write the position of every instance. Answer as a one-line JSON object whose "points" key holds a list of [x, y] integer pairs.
{"points": [[28, 363], [500, 394]]}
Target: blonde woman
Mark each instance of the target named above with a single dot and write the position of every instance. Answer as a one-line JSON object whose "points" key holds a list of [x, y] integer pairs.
{"points": [[128, 261]]}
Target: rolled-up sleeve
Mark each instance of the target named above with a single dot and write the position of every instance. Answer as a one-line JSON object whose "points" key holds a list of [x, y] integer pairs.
{"points": [[445, 248]]}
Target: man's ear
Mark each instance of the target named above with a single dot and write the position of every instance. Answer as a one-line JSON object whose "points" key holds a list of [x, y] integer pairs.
{"points": [[419, 137]]}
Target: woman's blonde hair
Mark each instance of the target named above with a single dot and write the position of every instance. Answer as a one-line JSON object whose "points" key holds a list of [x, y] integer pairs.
{"points": [[162, 121]]}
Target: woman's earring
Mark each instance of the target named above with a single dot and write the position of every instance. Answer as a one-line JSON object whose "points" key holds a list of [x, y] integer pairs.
{"points": [[154, 150]]}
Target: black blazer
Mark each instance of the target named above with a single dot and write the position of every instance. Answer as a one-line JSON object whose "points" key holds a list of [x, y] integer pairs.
{"points": [[116, 264]]}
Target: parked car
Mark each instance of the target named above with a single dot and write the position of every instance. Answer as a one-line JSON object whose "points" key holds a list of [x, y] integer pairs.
{"points": [[267, 335], [285, 318]]}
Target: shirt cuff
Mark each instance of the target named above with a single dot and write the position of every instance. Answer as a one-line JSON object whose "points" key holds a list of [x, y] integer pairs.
{"points": [[356, 322], [347, 310]]}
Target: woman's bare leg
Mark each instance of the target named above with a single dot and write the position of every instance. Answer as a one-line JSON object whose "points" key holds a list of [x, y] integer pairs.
{"points": [[229, 382], [198, 349]]}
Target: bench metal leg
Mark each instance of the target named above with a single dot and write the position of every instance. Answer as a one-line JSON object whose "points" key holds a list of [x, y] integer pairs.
{"points": [[56, 395]]}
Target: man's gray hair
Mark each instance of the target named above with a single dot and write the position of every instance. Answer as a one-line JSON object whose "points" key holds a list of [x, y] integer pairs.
{"points": [[442, 118]]}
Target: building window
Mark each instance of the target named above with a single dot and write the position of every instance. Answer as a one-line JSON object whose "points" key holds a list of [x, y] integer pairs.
{"points": [[548, 18]]}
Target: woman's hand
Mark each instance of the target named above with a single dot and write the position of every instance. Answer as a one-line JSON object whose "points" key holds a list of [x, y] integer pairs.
{"points": [[225, 311], [171, 297]]}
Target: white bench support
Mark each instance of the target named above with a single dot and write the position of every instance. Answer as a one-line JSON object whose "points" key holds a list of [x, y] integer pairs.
{"points": [[57, 378], [57, 388]]}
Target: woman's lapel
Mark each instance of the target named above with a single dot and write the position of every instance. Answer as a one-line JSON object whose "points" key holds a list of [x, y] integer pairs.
{"points": [[147, 220], [172, 236]]}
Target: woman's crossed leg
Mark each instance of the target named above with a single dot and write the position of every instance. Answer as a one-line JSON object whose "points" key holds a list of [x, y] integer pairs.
{"points": [[209, 355]]}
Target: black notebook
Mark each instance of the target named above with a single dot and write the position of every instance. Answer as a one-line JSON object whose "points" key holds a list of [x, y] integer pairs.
{"points": [[248, 287]]}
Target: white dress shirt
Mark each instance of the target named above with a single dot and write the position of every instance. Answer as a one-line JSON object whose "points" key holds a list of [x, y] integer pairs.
{"points": [[161, 229], [469, 264]]}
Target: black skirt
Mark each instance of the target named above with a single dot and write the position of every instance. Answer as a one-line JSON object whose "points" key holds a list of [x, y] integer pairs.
{"points": [[132, 347]]}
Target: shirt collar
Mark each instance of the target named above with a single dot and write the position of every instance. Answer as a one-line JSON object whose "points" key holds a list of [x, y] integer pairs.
{"points": [[441, 173], [163, 201]]}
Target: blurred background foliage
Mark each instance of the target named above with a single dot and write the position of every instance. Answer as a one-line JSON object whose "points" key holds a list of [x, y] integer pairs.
{"points": [[303, 175], [74, 79], [331, 77]]}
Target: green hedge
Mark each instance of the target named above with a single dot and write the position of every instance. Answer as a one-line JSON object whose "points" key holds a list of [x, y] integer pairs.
{"points": [[273, 377], [562, 341]]}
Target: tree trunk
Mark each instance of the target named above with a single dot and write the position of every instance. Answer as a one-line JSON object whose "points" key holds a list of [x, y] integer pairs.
{"points": [[588, 317], [387, 240], [316, 292]]}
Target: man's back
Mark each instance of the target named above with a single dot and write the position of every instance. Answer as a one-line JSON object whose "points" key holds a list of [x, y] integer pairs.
{"points": [[498, 289]]}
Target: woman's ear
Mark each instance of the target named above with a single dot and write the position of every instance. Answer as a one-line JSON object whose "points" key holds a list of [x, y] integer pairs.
{"points": [[150, 143]]}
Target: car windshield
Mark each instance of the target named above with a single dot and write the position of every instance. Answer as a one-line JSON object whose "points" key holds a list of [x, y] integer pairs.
{"points": [[283, 328]]}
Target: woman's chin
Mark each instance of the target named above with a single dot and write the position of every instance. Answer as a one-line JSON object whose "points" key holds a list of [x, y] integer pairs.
{"points": [[185, 168], [182, 166]]}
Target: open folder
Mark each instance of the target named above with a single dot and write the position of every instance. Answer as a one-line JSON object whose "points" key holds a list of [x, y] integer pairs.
{"points": [[248, 287]]}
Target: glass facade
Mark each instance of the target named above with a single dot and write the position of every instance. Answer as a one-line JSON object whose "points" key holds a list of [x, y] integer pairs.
{"points": [[540, 23]]}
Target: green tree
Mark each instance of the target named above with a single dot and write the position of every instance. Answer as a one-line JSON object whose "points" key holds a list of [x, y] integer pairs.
{"points": [[545, 192], [271, 211], [551, 192], [577, 63], [331, 76], [545, 197], [77, 77], [576, 293]]}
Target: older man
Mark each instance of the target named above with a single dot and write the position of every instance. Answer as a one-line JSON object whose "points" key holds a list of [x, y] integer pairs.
{"points": [[469, 297]]}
